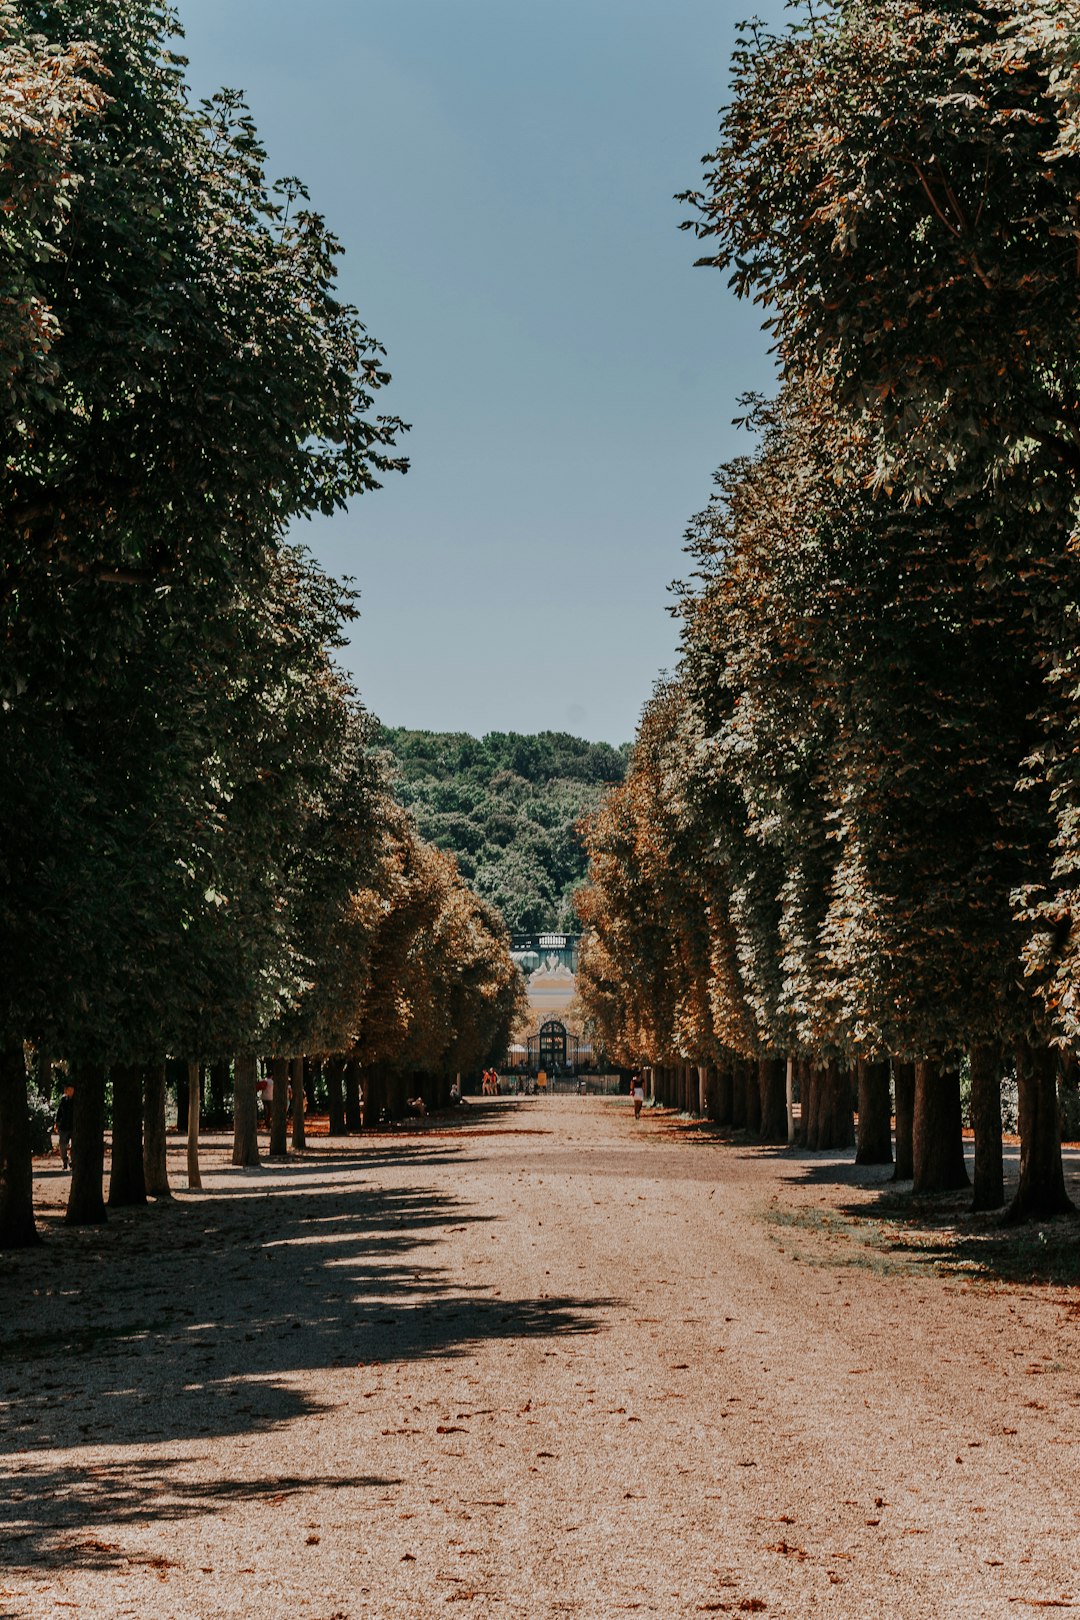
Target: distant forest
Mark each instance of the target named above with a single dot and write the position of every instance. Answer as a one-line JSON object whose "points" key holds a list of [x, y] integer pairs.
{"points": [[507, 806]]}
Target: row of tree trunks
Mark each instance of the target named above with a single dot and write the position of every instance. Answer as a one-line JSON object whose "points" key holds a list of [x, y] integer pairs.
{"points": [[827, 1114]]}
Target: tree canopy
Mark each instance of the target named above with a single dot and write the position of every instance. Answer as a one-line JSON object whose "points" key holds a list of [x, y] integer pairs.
{"points": [[508, 807]]}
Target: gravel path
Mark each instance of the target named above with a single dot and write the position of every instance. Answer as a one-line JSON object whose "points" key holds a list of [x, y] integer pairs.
{"points": [[541, 1363]]}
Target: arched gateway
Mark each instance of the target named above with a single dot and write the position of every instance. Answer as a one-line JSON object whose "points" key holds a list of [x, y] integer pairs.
{"points": [[553, 1049]]}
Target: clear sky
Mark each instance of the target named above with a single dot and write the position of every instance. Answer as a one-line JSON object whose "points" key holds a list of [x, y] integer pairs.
{"points": [[501, 174]]}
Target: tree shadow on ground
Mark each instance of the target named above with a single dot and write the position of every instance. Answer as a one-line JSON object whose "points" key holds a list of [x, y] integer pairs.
{"points": [[898, 1230], [192, 1320]]}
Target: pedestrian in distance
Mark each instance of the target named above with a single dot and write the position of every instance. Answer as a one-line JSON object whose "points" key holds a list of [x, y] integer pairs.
{"points": [[637, 1091], [65, 1120], [265, 1093]]}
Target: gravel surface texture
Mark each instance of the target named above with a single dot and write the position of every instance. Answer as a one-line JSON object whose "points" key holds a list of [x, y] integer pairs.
{"points": [[537, 1362]]}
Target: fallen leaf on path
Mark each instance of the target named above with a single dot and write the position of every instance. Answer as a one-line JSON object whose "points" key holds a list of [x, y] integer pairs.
{"points": [[788, 1550]]}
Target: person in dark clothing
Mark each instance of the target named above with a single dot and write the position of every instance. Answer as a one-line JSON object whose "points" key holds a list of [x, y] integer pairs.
{"points": [[65, 1119]]}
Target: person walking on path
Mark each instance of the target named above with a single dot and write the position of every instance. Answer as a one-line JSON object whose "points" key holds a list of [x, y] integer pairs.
{"points": [[65, 1119], [637, 1091]]}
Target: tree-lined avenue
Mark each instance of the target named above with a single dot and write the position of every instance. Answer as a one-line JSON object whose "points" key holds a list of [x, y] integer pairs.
{"points": [[450, 1365]]}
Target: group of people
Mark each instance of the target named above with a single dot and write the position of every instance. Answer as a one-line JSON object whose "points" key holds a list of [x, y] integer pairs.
{"points": [[489, 1084]]}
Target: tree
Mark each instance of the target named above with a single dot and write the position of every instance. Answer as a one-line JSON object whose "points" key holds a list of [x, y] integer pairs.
{"points": [[177, 424], [891, 184]]}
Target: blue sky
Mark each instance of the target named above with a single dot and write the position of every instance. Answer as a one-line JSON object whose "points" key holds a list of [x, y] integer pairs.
{"points": [[501, 176]]}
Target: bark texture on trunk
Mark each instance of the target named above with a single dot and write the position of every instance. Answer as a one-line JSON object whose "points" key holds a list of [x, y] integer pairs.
{"points": [[194, 1177], [772, 1091], [904, 1087], [989, 1178], [299, 1103], [335, 1096], [354, 1112], [1041, 1190], [17, 1228], [937, 1138], [155, 1140], [127, 1178], [245, 1153], [873, 1142], [86, 1206]]}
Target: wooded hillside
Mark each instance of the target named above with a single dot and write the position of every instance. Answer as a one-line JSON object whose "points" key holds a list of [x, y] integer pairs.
{"points": [[507, 805]]}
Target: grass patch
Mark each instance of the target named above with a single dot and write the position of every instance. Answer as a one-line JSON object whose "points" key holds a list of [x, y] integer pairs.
{"points": [[898, 1235]]}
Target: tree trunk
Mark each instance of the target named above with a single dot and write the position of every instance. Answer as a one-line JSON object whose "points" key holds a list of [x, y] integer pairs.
{"points": [[937, 1138], [86, 1206], [354, 1113], [194, 1178], [127, 1179], [17, 1229], [1041, 1191], [375, 1094], [819, 1106], [335, 1100], [789, 1099], [299, 1135], [753, 1097], [874, 1139], [841, 1106], [904, 1087], [312, 1082], [178, 1074], [155, 1139], [813, 1104], [279, 1108], [738, 1093], [772, 1073], [724, 1092], [989, 1179], [245, 1153]]}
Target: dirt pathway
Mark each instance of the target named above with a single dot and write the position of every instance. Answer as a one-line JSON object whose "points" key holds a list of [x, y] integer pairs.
{"points": [[545, 1364]]}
